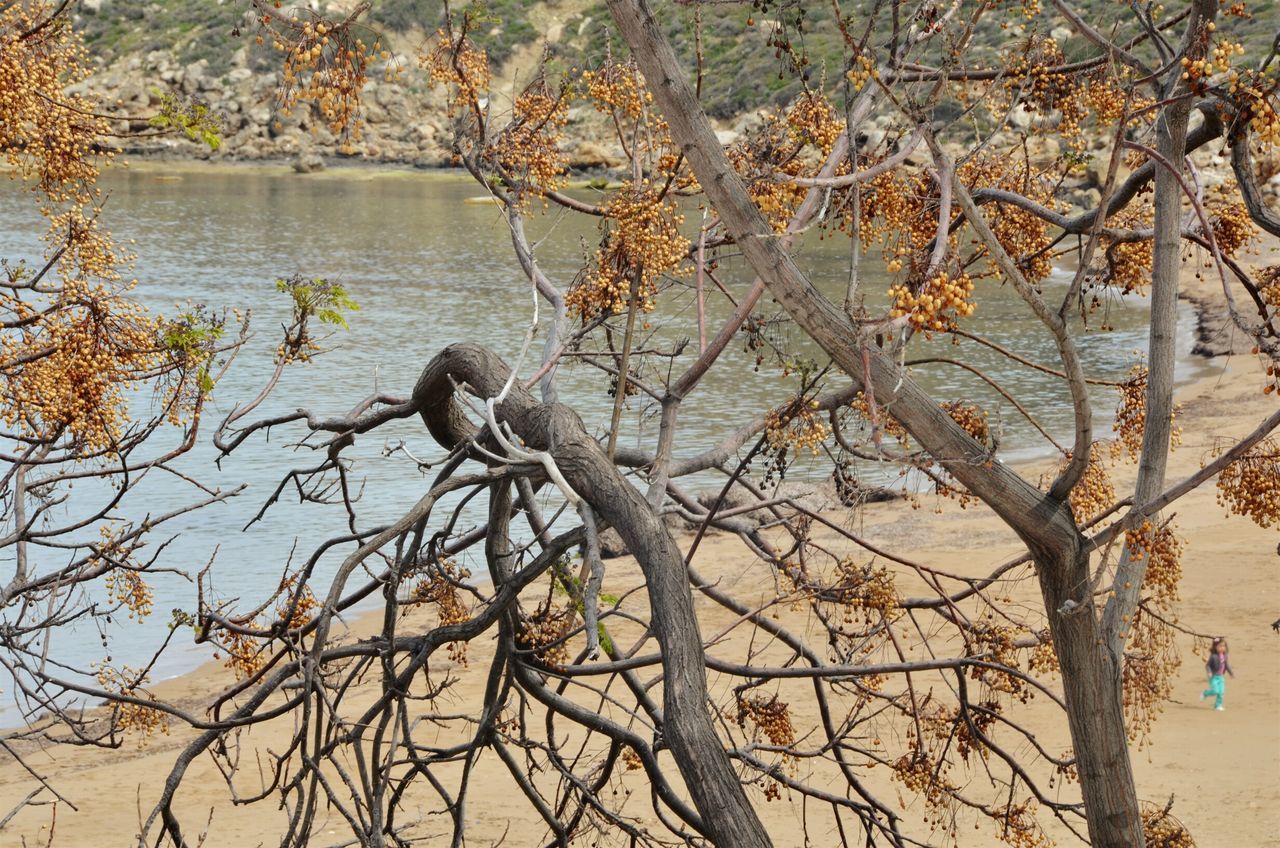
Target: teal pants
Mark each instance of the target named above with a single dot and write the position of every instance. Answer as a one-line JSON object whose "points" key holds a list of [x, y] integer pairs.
{"points": [[1217, 688]]}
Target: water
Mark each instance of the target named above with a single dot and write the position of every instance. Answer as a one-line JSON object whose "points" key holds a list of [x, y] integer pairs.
{"points": [[427, 270]]}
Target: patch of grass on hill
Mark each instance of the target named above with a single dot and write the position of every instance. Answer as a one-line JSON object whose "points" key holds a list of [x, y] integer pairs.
{"points": [[734, 36], [498, 25], [762, 77], [206, 29], [193, 31]]}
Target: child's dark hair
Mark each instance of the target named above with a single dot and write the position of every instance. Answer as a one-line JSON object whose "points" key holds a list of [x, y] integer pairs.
{"points": [[1214, 665]]}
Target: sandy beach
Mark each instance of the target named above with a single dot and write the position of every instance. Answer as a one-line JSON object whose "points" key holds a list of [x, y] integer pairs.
{"points": [[1222, 769]]}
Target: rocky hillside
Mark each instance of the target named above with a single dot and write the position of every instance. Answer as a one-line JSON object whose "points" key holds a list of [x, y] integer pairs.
{"points": [[147, 49], [206, 51]]}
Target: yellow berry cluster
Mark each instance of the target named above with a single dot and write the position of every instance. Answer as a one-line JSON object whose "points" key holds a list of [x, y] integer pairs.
{"points": [[863, 71], [1268, 280], [936, 304], [89, 251], [772, 792], [888, 202], [1151, 656], [1129, 265], [1162, 550], [246, 656], [528, 149], [1109, 100], [440, 588], [888, 425], [1019, 826], [1264, 117], [971, 417], [770, 716], [1150, 660], [1164, 830], [72, 354], [543, 634], [1233, 228], [996, 641], [325, 63], [797, 427], [968, 739], [1043, 658], [776, 199], [248, 645], [1253, 93], [1196, 72], [1024, 235], [128, 588], [47, 135], [631, 760], [131, 717], [1273, 378], [641, 242], [865, 591], [895, 211], [292, 614], [924, 775], [617, 89], [1250, 486], [95, 343], [457, 63], [813, 120], [1045, 88], [1070, 102], [793, 144], [1093, 493], [1131, 415]]}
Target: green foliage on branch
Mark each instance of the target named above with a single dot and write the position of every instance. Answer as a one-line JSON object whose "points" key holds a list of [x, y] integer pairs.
{"points": [[190, 117]]}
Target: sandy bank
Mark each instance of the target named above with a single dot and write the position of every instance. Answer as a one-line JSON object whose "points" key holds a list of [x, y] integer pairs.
{"points": [[1222, 768]]}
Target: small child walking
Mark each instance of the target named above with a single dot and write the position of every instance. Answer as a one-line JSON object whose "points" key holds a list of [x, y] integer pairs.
{"points": [[1218, 666]]}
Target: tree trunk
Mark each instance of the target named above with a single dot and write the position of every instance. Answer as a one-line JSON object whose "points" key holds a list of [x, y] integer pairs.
{"points": [[1091, 677], [1091, 687], [727, 815], [1166, 262]]}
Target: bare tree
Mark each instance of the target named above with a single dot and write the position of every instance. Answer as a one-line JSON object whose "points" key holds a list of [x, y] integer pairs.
{"points": [[1044, 520], [373, 733]]}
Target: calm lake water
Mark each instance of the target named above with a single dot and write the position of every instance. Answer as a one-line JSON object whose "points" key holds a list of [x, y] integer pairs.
{"points": [[427, 270]]}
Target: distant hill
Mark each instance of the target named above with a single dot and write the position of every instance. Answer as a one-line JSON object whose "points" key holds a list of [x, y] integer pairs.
{"points": [[578, 32]]}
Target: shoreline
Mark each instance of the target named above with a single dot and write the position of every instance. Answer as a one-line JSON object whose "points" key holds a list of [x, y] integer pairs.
{"points": [[152, 163], [1212, 335], [334, 166], [1207, 761]]}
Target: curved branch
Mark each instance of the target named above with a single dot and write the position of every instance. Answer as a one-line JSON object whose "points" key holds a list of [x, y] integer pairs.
{"points": [[1071, 363], [1242, 165], [716, 792]]}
